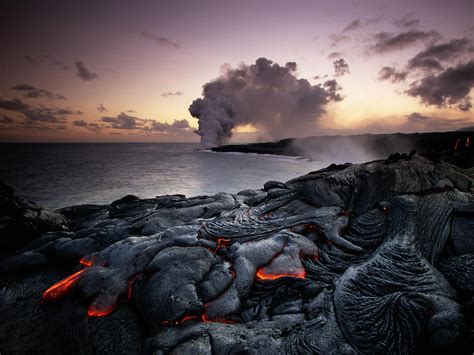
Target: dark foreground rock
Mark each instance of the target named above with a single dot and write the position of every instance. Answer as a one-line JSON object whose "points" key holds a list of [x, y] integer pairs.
{"points": [[376, 258]]}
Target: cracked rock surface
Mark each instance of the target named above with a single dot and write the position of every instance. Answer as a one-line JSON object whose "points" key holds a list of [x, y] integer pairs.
{"points": [[352, 259]]}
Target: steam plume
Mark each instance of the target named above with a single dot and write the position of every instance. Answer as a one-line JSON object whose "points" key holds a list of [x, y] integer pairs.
{"points": [[264, 94]]}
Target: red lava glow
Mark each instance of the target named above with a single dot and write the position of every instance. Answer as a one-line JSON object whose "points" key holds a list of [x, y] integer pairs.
{"points": [[223, 241], [385, 210], [456, 145], [96, 312], [86, 261], [468, 142], [61, 288], [262, 275], [205, 319], [130, 286]]}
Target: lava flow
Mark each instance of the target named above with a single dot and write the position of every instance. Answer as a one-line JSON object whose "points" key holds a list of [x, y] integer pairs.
{"points": [[262, 275], [97, 312], [61, 288], [456, 145]]}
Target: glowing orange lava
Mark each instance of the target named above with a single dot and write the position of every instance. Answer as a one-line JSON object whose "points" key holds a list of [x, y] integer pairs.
{"points": [[205, 319], [456, 145], [61, 288], [223, 241], [262, 275], [86, 261], [96, 312]]}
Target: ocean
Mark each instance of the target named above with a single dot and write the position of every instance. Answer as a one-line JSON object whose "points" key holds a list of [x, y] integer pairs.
{"points": [[60, 175]]}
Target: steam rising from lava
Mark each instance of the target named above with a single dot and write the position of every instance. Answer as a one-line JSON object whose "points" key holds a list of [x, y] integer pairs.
{"points": [[264, 94]]}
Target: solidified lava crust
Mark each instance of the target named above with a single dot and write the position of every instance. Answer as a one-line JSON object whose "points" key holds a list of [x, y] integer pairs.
{"points": [[354, 259]]}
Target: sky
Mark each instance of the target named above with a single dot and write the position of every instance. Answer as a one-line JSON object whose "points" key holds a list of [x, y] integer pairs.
{"points": [[128, 71]]}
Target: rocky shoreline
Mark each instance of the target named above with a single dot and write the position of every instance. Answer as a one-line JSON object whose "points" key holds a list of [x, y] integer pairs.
{"points": [[453, 147], [368, 258]]}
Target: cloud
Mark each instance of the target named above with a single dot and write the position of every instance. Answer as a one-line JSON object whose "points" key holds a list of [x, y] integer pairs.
{"points": [[264, 94], [353, 25], [84, 73], [38, 114], [171, 94], [418, 121], [33, 92], [124, 121], [30, 59], [407, 22], [416, 117], [101, 108], [80, 123], [335, 55], [387, 42], [91, 126], [336, 39], [60, 63], [6, 120], [176, 127], [160, 40], [341, 67], [127, 122], [431, 57], [450, 87], [389, 73]]}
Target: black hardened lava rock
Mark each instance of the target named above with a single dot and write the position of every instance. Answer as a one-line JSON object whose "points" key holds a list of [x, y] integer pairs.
{"points": [[375, 258]]}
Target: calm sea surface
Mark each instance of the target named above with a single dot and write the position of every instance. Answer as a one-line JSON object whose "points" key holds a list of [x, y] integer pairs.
{"points": [[59, 175]]}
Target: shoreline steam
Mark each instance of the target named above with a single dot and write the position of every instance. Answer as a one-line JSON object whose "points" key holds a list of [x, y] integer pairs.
{"points": [[267, 95]]}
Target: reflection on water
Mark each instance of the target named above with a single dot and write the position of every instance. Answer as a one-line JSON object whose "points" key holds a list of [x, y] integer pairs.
{"points": [[58, 175]]}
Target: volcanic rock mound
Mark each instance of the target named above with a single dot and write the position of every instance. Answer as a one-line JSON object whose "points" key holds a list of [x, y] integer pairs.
{"points": [[354, 259]]}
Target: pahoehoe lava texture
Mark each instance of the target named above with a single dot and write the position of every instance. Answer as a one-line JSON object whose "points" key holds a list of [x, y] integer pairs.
{"points": [[376, 258]]}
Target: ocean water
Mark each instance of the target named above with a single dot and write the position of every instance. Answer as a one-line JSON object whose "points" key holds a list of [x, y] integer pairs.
{"points": [[60, 175]]}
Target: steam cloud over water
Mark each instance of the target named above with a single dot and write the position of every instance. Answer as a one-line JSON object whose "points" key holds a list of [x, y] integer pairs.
{"points": [[264, 94]]}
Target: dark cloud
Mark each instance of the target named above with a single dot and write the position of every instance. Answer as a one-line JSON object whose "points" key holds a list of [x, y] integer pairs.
{"points": [[84, 73], [176, 127], [127, 122], [418, 121], [388, 42], [6, 120], [80, 123], [101, 108], [91, 126], [60, 64], [336, 39], [38, 114], [124, 121], [171, 94], [160, 40], [450, 87], [341, 67], [416, 117], [335, 55], [265, 94], [431, 57], [33, 92], [389, 73], [30, 59], [13, 105], [407, 22], [353, 25]]}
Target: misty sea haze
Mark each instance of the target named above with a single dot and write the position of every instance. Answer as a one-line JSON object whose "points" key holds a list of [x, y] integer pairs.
{"points": [[60, 175]]}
